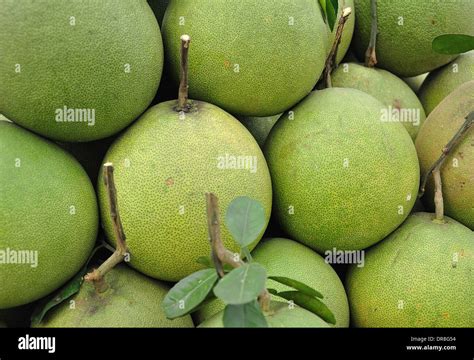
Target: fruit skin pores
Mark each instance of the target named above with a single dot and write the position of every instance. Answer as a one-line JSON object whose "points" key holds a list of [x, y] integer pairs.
{"points": [[79, 71], [251, 58], [48, 216], [341, 177]]}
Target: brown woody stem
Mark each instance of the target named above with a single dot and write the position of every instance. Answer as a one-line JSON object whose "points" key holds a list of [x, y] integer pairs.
{"points": [[468, 123], [438, 195], [331, 62], [120, 252], [183, 103], [220, 254], [370, 54]]}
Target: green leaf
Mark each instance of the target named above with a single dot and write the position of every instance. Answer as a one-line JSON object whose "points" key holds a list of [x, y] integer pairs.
{"points": [[331, 12], [242, 284], [206, 261], [309, 303], [453, 44], [295, 284], [189, 293], [245, 219], [244, 316], [323, 6], [72, 287]]}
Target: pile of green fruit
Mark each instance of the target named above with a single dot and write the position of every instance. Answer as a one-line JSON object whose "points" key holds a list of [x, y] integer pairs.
{"points": [[239, 163]]}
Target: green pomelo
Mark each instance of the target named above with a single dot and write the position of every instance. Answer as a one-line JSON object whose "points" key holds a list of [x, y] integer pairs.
{"points": [[159, 8], [252, 58], [400, 103], [416, 82], [130, 300], [406, 30], [281, 316], [347, 32], [287, 258], [442, 82], [259, 127], [78, 71], [420, 276], [457, 172], [342, 177], [48, 216], [164, 165]]}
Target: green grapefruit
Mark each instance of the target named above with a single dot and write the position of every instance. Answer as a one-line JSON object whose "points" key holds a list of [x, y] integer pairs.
{"points": [[48, 216], [342, 177], [420, 276]]}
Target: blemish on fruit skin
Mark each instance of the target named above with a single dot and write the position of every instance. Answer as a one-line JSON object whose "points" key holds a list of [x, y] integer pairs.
{"points": [[169, 182], [397, 104], [227, 64], [445, 315]]}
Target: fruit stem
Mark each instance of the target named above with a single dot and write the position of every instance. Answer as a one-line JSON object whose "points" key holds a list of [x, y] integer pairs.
{"points": [[468, 123], [183, 103], [220, 255], [438, 195], [370, 54], [331, 63], [119, 254]]}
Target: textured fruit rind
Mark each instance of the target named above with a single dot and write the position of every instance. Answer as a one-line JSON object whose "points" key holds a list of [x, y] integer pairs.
{"points": [[47, 206], [420, 276], [406, 30], [251, 58], [457, 172], [443, 81], [164, 165], [131, 300], [342, 177], [102, 60], [287, 258]]}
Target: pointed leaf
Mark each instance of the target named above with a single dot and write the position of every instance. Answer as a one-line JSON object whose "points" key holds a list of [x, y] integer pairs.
{"points": [[309, 303], [206, 261], [452, 44], [298, 285], [72, 287], [244, 316], [331, 12], [245, 219], [187, 294], [241, 285]]}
